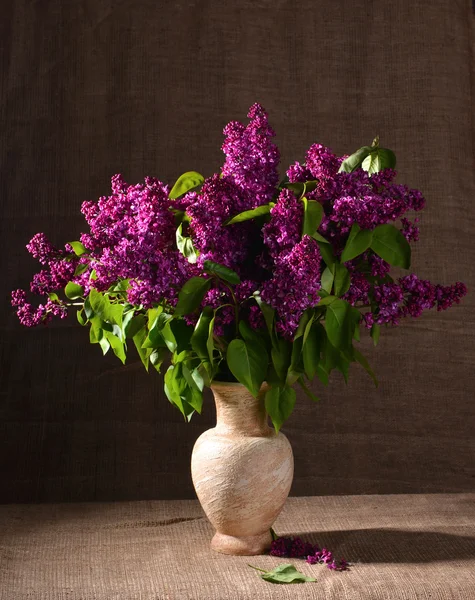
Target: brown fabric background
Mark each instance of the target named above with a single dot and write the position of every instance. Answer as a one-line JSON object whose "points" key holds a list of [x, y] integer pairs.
{"points": [[95, 87]]}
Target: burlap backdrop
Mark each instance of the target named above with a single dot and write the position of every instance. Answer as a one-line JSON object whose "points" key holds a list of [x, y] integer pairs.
{"points": [[97, 87]]}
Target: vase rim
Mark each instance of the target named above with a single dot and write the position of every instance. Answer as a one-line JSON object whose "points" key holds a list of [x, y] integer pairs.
{"points": [[235, 384], [226, 384]]}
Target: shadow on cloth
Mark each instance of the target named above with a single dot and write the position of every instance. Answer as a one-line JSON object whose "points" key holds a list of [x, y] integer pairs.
{"points": [[393, 545]]}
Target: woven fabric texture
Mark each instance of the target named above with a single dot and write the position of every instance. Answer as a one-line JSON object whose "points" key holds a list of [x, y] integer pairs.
{"points": [[401, 547], [94, 87]]}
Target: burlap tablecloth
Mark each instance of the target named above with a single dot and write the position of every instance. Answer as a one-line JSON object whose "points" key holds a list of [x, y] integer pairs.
{"points": [[401, 546]]}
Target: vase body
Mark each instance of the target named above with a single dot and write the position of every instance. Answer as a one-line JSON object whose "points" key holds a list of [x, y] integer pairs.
{"points": [[242, 471]]}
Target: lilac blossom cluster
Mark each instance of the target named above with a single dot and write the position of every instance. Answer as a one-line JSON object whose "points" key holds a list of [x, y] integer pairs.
{"points": [[294, 285], [289, 547], [252, 158], [132, 236]]}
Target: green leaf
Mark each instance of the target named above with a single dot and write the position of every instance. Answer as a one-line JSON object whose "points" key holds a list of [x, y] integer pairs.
{"points": [[279, 402], [365, 364], [80, 269], [168, 336], [191, 295], [250, 336], [355, 160], [326, 301], [375, 331], [139, 338], [153, 314], [104, 344], [182, 333], [113, 314], [175, 389], [300, 188], [79, 249], [308, 392], [96, 301], [306, 316], [312, 348], [186, 182], [327, 279], [121, 286], [281, 357], [343, 365], [185, 246], [296, 364], [326, 250], [82, 320], [133, 324], [200, 337], [322, 373], [319, 238], [264, 209], [210, 340], [297, 188], [338, 323], [342, 279], [312, 216], [390, 244], [283, 574], [73, 291], [378, 159], [157, 357], [309, 186], [269, 316], [117, 345], [358, 242], [155, 339], [221, 271], [88, 309], [248, 364]]}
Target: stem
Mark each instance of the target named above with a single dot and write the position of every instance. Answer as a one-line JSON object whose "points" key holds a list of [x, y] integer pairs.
{"points": [[257, 568]]}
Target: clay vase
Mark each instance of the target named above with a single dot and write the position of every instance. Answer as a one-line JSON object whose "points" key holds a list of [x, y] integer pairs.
{"points": [[242, 471]]}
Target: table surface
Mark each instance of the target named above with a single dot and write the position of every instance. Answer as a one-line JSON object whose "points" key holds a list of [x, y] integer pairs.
{"points": [[401, 547]]}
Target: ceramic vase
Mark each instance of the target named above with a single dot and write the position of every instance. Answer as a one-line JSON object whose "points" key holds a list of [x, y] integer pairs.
{"points": [[242, 471]]}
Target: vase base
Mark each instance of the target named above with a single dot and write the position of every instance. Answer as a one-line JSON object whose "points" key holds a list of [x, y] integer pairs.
{"points": [[241, 546]]}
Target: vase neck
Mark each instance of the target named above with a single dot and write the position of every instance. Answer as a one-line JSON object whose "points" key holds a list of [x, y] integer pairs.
{"points": [[238, 412]]}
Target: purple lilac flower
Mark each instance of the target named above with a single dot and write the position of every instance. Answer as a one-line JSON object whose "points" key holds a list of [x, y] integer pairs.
{"points": [[448, 295], [284, 547], [216, 298], [132, 236], [251, 157], [42, 249], [281, 547], [410, 230], [30, 316], [378, 266], [284, 229], [359, 289], [18, 297], [294, 285], [420, 294], [217, 202], [298, 173], [322, 163], [388, 297], [298, 548], [383, 178]]}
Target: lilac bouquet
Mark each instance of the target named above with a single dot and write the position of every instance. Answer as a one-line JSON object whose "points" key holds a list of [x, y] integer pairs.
{"points": [[238, 277]]}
